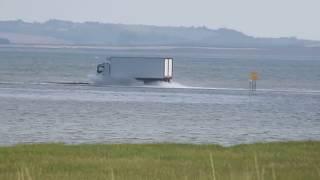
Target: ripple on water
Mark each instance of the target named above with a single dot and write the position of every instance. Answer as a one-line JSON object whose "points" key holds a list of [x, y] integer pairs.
{"points": [[94, 115]]}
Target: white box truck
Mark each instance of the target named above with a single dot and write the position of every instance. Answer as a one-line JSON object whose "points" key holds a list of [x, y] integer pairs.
{"points": [[146, 69]]}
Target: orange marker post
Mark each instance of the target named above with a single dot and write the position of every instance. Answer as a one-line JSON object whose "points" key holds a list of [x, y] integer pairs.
{"points": [[253, 80], [254, 76]]}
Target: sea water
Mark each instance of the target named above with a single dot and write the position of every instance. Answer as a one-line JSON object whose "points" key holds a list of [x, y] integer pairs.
{"points": [[51, 95]]}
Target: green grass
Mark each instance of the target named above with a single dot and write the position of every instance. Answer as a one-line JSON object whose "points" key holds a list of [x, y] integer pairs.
{"points": [[271, 161]]}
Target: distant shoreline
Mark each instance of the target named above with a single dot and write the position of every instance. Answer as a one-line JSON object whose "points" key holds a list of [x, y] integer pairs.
{"points": [[147, 47], [67, 32], [74, 46]]}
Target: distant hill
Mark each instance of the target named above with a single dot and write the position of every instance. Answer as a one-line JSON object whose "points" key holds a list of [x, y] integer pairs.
{"points": [[94, 33]]}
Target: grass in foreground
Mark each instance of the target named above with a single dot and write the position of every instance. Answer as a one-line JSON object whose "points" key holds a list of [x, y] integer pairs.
{"points": [[272, 161]]}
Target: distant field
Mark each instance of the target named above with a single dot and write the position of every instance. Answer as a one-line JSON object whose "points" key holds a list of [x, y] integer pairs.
{"points": [[272, 161]]}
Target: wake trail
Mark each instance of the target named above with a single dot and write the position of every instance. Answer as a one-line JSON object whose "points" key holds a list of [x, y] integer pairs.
{"points": [[95, 82]]}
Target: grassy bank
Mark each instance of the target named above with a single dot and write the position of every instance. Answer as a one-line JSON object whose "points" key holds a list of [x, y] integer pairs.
{"points": [[272, 161]]}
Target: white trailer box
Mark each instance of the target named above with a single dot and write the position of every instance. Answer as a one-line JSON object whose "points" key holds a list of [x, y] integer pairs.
{"points": [[146, 69]]}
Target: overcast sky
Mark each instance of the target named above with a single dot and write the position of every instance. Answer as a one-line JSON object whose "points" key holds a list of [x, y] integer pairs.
{"points": [[263, 18]]}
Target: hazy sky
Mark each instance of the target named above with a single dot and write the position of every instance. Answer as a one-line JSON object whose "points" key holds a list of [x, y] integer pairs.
{"points": [[268, 18]]}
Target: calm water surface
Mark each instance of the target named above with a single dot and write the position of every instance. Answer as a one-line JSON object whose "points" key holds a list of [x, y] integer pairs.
{"points": [[207, 103]]}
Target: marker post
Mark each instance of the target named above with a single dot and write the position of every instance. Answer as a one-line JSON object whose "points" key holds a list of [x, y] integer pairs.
{"points": [[253, 81]]}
